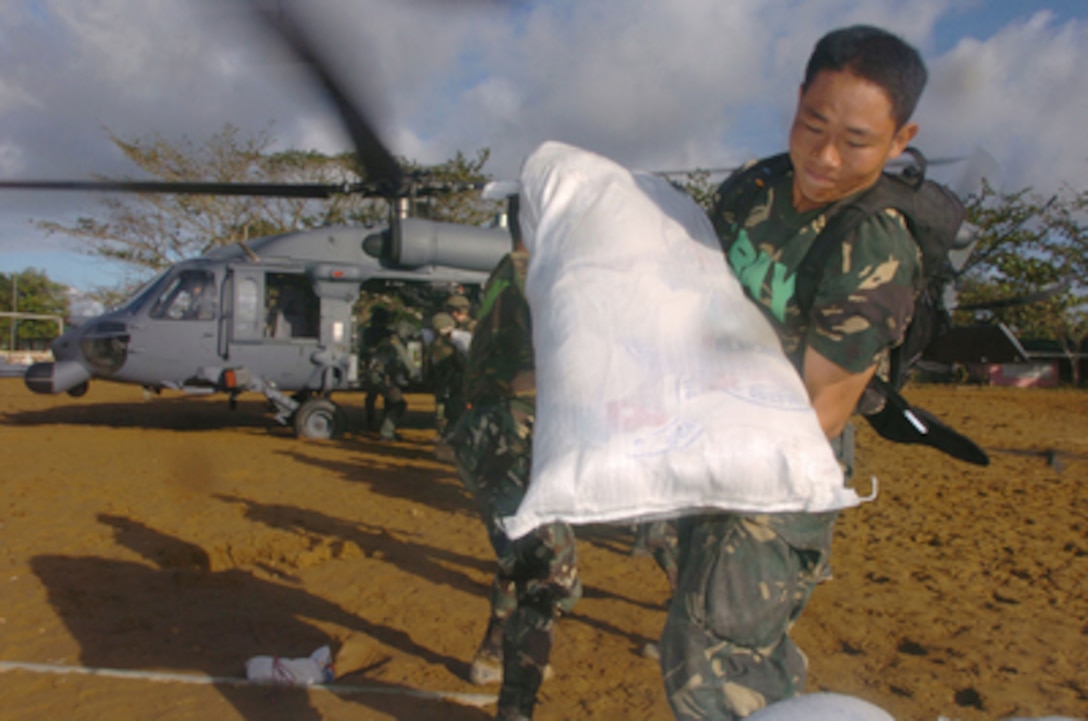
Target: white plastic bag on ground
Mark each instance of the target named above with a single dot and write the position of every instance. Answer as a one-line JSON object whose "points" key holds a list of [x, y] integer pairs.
{"points": [[314, 669], [661, 389]]}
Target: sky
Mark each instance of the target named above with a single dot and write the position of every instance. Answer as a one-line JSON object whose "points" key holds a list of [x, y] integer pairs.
{"points": [[652, 84]]}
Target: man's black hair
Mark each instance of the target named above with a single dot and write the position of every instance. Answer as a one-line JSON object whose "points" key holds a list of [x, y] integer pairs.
{"points": [[877, 56]]}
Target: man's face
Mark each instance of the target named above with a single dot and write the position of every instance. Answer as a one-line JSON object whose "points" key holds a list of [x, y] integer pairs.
{"points": [[842, 135]]}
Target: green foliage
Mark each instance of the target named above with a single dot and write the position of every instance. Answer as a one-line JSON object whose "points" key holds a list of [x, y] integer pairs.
{"points": [[34, 293], [700, 187], [463, 204], [1028, 245]]}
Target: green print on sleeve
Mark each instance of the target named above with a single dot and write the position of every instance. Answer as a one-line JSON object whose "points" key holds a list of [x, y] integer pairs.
{"points": [[755, 269]]}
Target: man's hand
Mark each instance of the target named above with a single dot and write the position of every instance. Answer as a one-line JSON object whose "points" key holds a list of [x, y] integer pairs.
{"points": [[833, 390]]}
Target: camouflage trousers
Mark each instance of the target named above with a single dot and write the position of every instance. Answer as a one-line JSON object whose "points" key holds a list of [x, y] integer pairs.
{"points": [[743, 580], [659, 539], [537, 575], [393, 408]]}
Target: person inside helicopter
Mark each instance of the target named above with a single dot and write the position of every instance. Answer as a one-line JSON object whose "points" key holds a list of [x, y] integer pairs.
{"points": [[293, 307], [191, 296]]}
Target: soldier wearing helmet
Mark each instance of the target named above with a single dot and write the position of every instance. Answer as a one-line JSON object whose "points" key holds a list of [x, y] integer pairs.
{"points": [[460, 309], [445, 372], [389, 370]]}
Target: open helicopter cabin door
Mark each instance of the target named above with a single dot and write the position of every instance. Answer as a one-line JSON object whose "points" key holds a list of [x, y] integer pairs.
{"points": [[276, 326]]}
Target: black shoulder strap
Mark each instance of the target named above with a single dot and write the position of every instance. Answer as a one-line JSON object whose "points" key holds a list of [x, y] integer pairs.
{"points": [[841, 220], [738, 193], [889, 191]]}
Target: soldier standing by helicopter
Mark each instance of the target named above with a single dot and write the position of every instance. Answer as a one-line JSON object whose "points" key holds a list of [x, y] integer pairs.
{"points": [[537, 578], [389, 370], [445, 373], [460, 309]]}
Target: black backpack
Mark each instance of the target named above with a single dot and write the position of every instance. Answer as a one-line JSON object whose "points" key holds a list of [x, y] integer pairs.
{"points": [[934, 216]]}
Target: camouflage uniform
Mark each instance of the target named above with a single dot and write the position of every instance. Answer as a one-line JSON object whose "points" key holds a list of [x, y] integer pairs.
{"points": [[659, 539], [388, 370], [445, 371], [537, 577], [461, 309], [745, 578]]}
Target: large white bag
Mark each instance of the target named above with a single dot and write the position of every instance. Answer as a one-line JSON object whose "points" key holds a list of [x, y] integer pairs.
{"points": [[661, 389]]}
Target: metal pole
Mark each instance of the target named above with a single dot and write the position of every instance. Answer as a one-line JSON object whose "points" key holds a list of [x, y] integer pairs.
{"points": [[14, 310]]}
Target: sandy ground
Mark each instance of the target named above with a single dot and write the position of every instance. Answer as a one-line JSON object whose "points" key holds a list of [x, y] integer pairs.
{"points": [[173, 536]]}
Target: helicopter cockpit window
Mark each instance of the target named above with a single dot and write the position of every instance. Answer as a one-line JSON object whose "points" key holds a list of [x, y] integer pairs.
{"points": [[145, 292], [189, 296], [293, 307]]}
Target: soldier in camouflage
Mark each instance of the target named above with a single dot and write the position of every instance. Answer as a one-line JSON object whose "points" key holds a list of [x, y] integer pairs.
{"points": [[460, 309], [537, 578], [659, 540], [445, 372], [389, 370], [744, 579]]}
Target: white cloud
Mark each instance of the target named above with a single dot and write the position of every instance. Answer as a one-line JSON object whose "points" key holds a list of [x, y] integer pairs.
{"points": [[1023, 96], [663, 84]]}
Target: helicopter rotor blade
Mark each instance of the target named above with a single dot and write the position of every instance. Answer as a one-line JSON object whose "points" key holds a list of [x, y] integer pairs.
{"points": [[373, 156], [268, 190], [727, 171], [980, 165]]}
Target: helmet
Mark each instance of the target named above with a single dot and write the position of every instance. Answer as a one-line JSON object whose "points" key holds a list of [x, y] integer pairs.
{"points": [[458, 302], [442, 321]]}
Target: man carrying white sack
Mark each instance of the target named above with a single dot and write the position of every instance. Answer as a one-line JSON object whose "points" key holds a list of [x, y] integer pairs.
{"points": [[745, 578]]}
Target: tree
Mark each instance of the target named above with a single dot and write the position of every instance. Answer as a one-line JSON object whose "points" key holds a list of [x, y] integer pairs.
{"points": [[458, 200], [698, 184], [149, 232], [34, 293], [1029, 267]]}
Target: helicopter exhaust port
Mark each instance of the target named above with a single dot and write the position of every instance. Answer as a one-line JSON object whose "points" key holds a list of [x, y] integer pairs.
{"points": [[414, 243], [56, 377]]}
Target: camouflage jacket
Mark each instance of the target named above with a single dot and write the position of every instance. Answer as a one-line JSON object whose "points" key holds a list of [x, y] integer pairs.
{"points": [[389, 364], [445, 367], [501, 355], [865, 296]]}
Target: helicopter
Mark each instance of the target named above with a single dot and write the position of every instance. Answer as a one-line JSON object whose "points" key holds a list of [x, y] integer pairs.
{"points": [[273, 315]]}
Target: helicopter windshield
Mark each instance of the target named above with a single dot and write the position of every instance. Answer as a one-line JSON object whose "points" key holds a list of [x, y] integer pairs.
{"points": [[190, 295], [137, 299]]}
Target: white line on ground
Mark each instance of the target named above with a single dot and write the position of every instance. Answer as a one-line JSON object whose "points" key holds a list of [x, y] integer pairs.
{"points": [[468, 699]]}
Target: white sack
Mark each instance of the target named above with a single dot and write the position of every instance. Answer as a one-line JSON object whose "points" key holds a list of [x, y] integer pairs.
{"points": [[822, 707], [661, 389]]}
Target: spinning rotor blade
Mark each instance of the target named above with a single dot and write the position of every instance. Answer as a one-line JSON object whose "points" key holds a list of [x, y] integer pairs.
{"points": [[274, 190], [978, 166], [897, 163], [373, 156]]}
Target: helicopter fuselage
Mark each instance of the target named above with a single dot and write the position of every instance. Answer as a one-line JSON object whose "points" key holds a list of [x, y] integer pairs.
{"points": [[274, 316]]}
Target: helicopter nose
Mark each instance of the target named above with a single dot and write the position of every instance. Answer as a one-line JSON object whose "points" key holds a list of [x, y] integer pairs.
{"points": [[103, 346], [55, 377]]}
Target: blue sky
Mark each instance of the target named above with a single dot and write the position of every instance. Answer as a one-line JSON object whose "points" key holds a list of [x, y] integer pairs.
{"points": [[655, 85]]}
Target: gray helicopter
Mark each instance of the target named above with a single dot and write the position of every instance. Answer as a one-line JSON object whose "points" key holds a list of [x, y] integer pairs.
{"points": [[273, 315]]}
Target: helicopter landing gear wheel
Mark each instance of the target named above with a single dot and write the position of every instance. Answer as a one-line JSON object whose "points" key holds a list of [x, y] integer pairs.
{"points": [[78, 391], [320, 418]]}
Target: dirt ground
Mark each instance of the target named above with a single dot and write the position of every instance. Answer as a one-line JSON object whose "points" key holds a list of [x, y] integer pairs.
{"points": [[172, 536]]}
